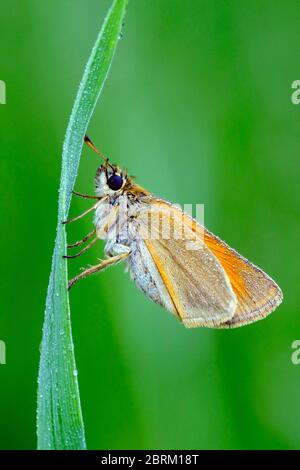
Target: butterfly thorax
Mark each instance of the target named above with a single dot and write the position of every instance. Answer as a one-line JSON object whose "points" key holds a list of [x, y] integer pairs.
{"points": [[116, 219]]}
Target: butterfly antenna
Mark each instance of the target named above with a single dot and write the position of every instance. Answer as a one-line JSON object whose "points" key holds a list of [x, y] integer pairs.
{"points": [[94, 148]]}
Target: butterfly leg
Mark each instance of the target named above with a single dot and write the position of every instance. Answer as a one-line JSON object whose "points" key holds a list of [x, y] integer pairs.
{"points": [[81, 215], [86, 248], [80, 242], [99, 267], [85, 196]]}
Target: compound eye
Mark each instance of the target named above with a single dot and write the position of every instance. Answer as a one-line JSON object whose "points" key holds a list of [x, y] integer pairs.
{"points": [[115, 182]]}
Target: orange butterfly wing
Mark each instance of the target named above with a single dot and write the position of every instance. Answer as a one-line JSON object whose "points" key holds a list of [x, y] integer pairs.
{"points": [[258, 295]]}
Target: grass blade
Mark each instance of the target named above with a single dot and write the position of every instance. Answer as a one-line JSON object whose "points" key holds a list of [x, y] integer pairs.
{"points": [[59, 416]]}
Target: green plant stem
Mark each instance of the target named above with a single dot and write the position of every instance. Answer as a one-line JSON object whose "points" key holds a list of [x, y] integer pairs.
{"points": [[59, 416]]}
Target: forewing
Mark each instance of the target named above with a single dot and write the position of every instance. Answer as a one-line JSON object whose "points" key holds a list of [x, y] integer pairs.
{"points": [[194, 278], [257, 294], [212, 285]]}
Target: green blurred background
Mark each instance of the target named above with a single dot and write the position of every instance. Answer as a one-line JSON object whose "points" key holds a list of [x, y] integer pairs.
{"points": [[198, 106]]}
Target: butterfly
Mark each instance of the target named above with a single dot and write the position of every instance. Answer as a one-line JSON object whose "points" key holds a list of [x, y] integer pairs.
{"points": [[173, 259]]}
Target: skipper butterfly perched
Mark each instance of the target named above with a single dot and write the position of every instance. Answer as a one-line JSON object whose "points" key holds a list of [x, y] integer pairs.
{"points": [[171, 257]]}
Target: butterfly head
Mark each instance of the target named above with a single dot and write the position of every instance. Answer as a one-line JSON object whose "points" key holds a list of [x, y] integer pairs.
{"points": [[110, 180]]}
